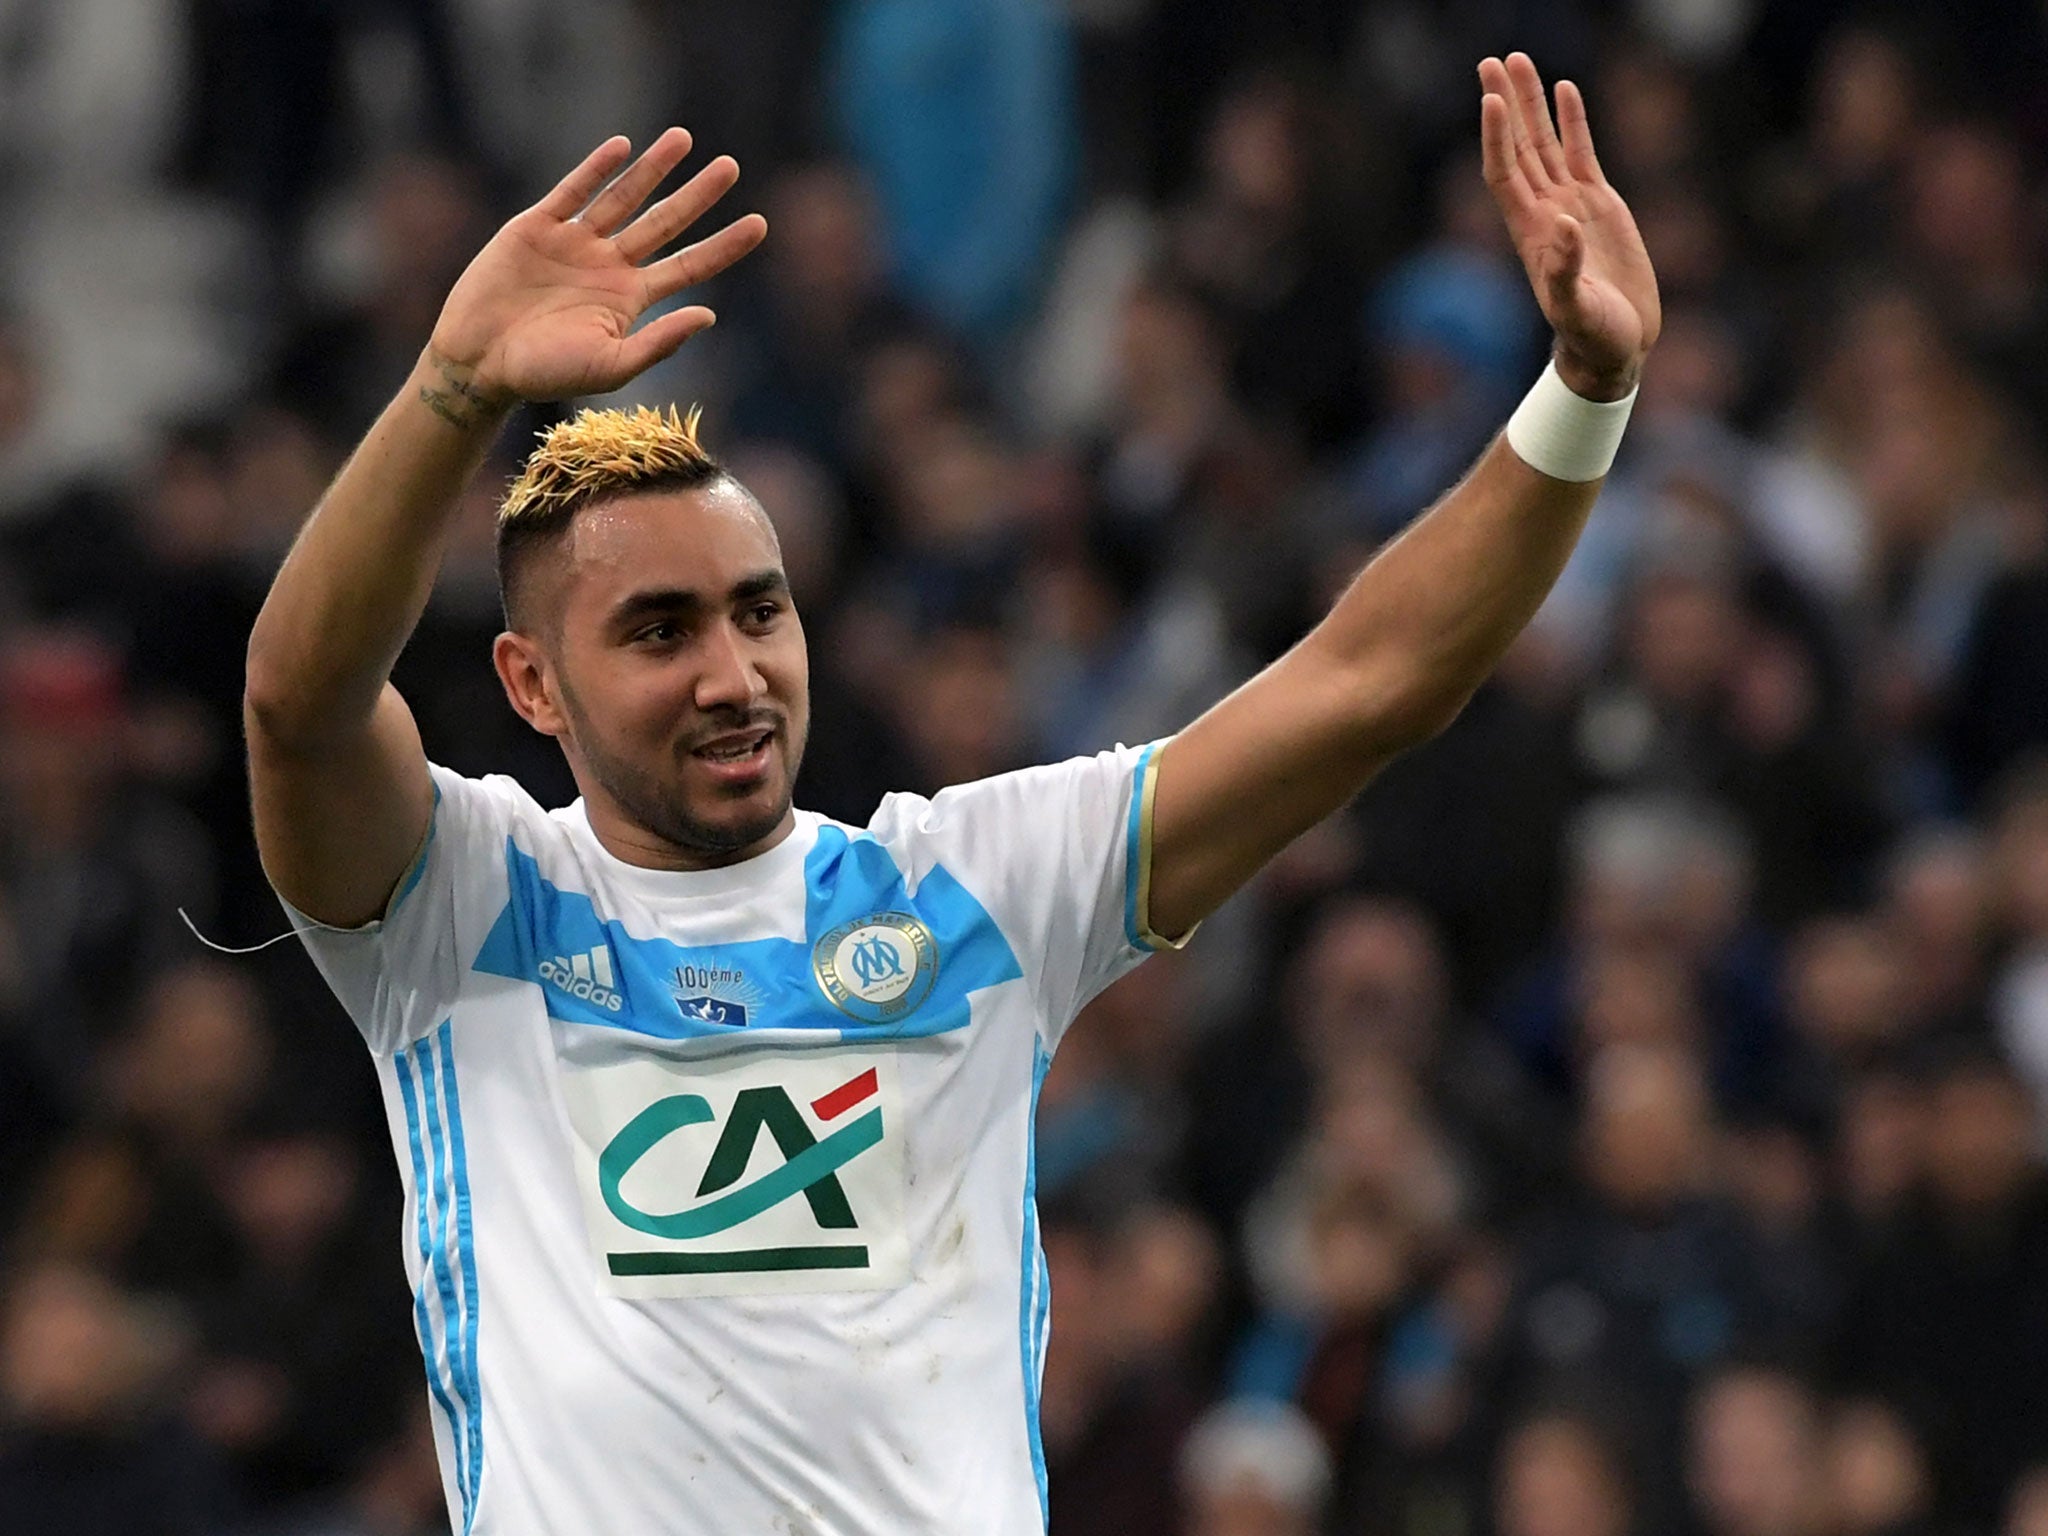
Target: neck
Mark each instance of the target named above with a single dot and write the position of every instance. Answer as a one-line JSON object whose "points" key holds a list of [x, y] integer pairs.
{"points": [[631, 842]]}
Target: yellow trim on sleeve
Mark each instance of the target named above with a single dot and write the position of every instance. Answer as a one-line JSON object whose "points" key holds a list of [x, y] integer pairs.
{"points": [[1146, 936]]}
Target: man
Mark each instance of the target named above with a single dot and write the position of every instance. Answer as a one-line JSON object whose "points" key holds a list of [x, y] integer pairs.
{"points": [[715, 1116]]}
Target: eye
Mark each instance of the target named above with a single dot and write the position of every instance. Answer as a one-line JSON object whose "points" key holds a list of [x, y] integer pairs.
{"points": [[663, 632], [764, 614]]}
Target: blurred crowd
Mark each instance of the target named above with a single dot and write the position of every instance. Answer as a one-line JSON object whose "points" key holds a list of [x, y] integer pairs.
{"points": [[1626, 1119]]}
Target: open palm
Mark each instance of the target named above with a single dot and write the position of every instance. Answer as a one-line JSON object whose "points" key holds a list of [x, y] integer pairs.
{"points": [[1577, 240], [546, 309]]}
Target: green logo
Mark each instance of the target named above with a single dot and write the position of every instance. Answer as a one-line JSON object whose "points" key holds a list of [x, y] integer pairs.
{"points": [[809, 1168]]}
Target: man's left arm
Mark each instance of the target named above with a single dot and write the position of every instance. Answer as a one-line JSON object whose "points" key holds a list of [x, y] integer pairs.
{"points": [[1422, 626]]}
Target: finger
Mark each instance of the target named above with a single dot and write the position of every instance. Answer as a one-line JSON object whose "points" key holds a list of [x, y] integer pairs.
{"points": [[1493, 76], [616, 203], [678, 211], [1579, 158], [660, 337], [1567, 261], [1535, 114], [1497, 159], [582, 184], [706, 259]]}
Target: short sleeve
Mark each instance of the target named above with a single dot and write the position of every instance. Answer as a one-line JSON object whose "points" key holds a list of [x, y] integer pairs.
{"points": [[1061, 857], [398, 976]]}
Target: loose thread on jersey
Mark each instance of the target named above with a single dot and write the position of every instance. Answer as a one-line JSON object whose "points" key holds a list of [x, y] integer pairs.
{"points": [[229, 949]]}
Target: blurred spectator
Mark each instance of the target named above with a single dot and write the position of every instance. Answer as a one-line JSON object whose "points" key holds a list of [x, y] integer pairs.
{"points": [[1878, 1479], [1105, 1125], [1995, 713], [421, 221], [1968, 221], [92, 866], [1263, 240], [1373, 1317], [1124, 650], [1846, 990], [303, 1365], [1881, 1149], [1254, 1468], [1451, 330], [2019, 999], [1710, 693], [85, 1447], [959, 114], [1649, 1280], [1937, 912], [1839, 190], [139, 1190], [1660, 949], [817, 306], [1945, 1319], [1755, 1463], [269, 72], [1370, 983], [1559, 1474], [1116, 1405], [2027, 1513]]}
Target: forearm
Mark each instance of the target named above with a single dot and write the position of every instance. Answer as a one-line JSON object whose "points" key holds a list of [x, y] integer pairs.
{"points": [[358, 576], [1422, 626], [1425, 623], [1388, 667]]}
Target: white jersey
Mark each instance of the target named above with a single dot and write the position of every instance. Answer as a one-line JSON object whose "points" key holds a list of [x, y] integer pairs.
{"points": [[719, 1197]]}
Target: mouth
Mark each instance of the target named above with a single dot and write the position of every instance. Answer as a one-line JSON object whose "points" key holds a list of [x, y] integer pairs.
{"points": [[736, 757]]}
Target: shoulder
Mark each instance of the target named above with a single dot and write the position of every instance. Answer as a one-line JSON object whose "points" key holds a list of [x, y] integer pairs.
{"points": [[496, 798], [1019, 798], [475, 818]]}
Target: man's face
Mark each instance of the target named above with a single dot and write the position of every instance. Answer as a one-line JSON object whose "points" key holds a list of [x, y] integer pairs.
{"points": [[676, 675]]}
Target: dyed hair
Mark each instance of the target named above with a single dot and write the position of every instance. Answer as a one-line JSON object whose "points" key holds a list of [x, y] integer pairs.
{"points": [[591, 457]]}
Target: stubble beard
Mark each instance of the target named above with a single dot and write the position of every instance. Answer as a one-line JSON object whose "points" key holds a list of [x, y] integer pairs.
{"points": [[661, 805]]}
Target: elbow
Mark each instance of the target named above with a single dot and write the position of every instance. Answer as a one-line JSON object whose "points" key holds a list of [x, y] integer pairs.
{"points": [[1410, 727], [266, 696], [268, 717], [274, 707]]}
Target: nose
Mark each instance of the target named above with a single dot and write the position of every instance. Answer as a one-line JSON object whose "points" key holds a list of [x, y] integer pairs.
{"points": [[729, 679]]}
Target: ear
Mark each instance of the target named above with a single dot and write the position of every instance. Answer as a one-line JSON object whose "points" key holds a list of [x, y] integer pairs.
{"points": [[529, 684]]}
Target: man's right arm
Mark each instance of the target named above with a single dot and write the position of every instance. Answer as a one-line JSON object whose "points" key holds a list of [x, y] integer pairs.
{"points": [[338, 779]]}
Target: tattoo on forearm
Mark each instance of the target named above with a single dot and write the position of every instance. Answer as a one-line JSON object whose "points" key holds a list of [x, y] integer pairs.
{"points": [[459, 402]]}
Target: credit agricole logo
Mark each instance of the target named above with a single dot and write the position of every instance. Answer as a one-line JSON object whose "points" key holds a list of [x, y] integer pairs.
{"points": [[759, 1173]]}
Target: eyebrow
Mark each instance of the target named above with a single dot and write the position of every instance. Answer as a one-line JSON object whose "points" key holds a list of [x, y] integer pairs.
{"points": [[682, 600]]}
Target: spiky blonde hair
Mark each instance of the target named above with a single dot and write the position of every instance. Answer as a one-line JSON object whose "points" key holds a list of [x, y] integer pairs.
{"points": [[600, 453], [593, 454]]}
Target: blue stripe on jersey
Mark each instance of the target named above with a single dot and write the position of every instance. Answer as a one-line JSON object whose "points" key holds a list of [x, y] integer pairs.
{"points": [[1034, 1306], [1133, 831], [444, 1264], [846, 879], [422, 1321], [472, 1382]]}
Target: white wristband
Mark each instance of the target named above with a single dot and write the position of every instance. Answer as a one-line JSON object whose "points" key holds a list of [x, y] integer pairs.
{"points": [[1564, 435]]}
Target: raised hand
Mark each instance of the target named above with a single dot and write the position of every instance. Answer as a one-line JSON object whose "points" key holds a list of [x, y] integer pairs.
{"points": [[546, 309], [1576, 237]]}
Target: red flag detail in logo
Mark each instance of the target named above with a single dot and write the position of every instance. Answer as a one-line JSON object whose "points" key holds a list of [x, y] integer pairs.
{"points": [[844, 1097]]}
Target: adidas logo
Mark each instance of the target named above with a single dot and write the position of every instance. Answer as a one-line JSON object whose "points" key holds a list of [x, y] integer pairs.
{"points": [[587, 976]]}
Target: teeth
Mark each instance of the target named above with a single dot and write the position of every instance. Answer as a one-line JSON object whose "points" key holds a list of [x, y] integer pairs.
{"points": [[733, 754]]}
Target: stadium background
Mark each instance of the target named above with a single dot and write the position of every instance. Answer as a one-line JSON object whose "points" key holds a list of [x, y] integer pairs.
{"points": [[1625, 1120]]}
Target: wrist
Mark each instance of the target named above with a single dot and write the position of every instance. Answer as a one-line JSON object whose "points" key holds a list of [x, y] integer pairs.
{"points": [[1561, 433], [1602, 383], [459, 393]]}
